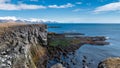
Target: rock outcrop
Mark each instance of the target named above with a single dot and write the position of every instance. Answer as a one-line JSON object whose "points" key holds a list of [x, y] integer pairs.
{"points": [[23, 47], [110, 63]]}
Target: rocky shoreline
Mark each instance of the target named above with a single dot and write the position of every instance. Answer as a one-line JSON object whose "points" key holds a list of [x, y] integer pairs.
{"points": [[31, 46], [59, 49]]}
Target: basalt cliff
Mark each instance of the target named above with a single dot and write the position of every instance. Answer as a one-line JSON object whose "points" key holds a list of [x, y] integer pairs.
{"points": [[22, 46]]}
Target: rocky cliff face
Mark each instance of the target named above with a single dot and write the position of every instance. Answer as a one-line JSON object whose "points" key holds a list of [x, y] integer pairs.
{"points": [[23, 47]]}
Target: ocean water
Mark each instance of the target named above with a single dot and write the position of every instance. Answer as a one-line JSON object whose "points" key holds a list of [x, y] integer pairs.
{"points": [[93, 53]]}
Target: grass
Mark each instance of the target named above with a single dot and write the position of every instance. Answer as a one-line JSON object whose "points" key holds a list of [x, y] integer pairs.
{"points": [[37, 52], [59, 42], [4, 26], [63, 42]]}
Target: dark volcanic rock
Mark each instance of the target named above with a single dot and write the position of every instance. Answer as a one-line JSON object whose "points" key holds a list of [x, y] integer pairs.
{"points": [[100, 43]]}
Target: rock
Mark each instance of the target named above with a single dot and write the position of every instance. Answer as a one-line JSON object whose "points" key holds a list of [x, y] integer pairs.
{"points": [[100, 43], [84, 62], [110, 63], [98, 40], [22, 46], [58, 65], [73, 61]]}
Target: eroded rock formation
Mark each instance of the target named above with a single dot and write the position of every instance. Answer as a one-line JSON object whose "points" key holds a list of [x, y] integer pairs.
{"points": [[23, 47]]}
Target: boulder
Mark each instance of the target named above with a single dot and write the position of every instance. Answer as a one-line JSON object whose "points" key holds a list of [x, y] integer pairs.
{"points": [[110, 63], [58, 65]]}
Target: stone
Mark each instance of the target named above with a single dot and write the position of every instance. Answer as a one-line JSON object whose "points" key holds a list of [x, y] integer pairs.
{"points": [[58, 65], [110, 63], [20, 39]]}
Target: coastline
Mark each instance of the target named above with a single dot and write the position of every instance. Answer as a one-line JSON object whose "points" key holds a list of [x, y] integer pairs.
{"points": [[59, 49], [59, 45]]}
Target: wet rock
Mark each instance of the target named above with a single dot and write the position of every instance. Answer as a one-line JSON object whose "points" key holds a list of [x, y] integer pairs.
{"points": [[58, 65], [85, 57], [100, 43], [73, 61], [84, 62], [110, 63], [98, 40]]}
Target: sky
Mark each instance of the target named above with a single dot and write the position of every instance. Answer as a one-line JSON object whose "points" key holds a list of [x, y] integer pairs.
{"points": [[63, 11]]}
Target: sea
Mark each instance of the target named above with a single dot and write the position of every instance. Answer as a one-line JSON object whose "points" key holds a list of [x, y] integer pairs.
{"points": [[94, 54]]}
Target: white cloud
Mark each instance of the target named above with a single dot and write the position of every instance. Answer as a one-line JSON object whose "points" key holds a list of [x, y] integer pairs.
{"points": [[34, 0], [108, 7], [68, 5], [25, 6], [8, 18], [4, 1], [5, 5], [8, 7], [20, 7], [78, 2], [76, 10]]}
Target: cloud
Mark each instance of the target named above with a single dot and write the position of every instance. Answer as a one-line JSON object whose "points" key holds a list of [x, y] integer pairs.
{"points": [[20, 7], [34, 0], [8, 18], [68, 5], [108, 7], [5, 5], [25, 6], [76, 10], [78, 2], [4, 1]]}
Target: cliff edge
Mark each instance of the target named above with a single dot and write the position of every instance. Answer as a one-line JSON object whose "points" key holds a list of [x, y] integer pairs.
{"points": [[22, 46]]}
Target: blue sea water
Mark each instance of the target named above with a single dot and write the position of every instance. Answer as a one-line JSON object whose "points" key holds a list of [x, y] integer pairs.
{"points": [[94, 53]]}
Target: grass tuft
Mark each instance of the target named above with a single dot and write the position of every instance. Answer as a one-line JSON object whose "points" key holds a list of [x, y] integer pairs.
{"points": [[4, 26]]}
